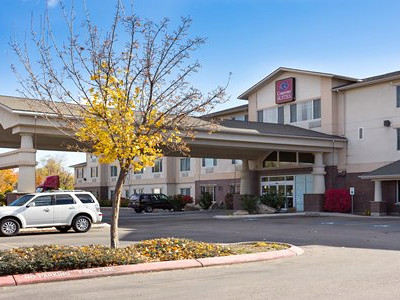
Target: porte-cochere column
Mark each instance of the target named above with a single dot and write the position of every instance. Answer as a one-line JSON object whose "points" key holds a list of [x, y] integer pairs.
{"points": [[26, 164], [315, 200]]}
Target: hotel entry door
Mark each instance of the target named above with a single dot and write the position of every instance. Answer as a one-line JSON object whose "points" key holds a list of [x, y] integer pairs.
{"points": [[280, 185]]}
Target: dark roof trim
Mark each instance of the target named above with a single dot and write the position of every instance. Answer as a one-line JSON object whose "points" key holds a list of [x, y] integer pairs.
{"points": [[236, 109], [246, 94], [370, 80]]}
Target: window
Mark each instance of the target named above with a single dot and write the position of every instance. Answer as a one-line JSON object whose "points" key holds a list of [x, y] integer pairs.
{"points": [[271, 115], [113, 171], [281, 115], [79, 173], [64, 199], [398, 192], [260, 116], [185, 164], [185, 191], [156, 191], [112, 193], [304, 111], [317, 109], [234, 188], [398, 138], [246, 118], [210, 189], [398, 96], [293, 113], [139, 172], [42, 201], [208, 162], [85, 198], [94, 172], [287, 156], [126, 193], [360, 133], [157, 166], [236, 161], [93, 158]]}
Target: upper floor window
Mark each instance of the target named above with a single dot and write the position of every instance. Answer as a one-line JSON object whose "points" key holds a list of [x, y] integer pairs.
{"points": [[139, 171], [79, 173], [94, 172], [185, 164], [398, 96], [113, 171], [398, 138], [157, 166], [93, 158], [272, 115], [304, 111], [208, 162]]}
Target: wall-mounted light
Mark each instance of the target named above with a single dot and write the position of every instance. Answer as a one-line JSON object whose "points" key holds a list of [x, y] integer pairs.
{"points": [[386, 123]]}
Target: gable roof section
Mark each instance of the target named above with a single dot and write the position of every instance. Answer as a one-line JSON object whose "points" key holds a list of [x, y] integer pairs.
{"points": [[386, 172], [277, 72]]}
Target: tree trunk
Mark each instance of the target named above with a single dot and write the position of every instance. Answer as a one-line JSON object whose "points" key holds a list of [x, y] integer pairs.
{"points": [[116, 200]]}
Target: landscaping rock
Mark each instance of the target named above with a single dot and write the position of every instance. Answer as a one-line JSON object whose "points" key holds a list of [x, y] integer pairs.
{"points": [[240, 213], [265, 209]]}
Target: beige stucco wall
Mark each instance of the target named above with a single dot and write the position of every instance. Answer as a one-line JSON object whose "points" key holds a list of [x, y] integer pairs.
{"points": [[368, 107]]}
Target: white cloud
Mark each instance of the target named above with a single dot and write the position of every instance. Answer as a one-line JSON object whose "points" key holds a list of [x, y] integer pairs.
{"points": [[52, 3]]}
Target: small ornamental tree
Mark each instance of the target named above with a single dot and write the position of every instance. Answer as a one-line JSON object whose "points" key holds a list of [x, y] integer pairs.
{"points": [[123, 95]]}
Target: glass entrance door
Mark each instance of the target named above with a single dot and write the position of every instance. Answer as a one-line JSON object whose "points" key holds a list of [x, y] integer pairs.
{"points": [[280, 185]]}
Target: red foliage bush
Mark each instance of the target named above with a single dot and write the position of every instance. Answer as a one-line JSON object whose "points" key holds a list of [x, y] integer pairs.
{"points": [[337, 201]]}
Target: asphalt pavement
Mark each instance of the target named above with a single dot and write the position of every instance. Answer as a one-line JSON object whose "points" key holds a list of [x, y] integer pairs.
{"points": [[354, 232]]}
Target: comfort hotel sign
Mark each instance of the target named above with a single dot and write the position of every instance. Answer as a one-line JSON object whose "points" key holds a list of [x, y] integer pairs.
{"points": [[285, 90]]}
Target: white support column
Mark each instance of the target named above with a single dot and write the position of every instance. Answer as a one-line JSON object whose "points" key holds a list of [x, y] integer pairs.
{"points": [[318, 174], [26, 173], [378, 191], [245, 178]]}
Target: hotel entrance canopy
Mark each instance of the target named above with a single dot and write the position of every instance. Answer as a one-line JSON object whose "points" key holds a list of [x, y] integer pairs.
{"points": [[24, 128]]}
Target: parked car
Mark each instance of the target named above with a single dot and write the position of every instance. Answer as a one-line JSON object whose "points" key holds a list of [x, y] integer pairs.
{"points": [[148, 202], [60, 209]]}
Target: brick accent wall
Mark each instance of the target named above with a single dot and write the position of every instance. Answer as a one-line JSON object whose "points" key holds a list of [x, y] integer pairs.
{"points": [[364, 189], [314, 202]]}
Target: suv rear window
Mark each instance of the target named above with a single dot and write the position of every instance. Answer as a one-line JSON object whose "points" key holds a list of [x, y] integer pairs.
{"points": [[85, 198], [64, 199]]}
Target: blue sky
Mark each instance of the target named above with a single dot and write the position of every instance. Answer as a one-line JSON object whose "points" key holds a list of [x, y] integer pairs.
{"points": [[248, 38]]}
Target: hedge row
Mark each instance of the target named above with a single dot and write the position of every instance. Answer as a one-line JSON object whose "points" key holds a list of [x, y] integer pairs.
{"points": [[59, 258]]}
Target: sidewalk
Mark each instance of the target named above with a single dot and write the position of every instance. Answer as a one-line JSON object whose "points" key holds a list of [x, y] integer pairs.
{"points": [[303, 214]]}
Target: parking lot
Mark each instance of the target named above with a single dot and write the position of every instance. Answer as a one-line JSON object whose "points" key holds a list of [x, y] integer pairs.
{"points": [[356, 232]]}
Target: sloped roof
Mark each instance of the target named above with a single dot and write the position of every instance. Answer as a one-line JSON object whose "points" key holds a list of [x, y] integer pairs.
{"points": [[83, 164], [276, 129], [18, 104], [227, 111], [389, 171], [277, 72], [370, 80]]}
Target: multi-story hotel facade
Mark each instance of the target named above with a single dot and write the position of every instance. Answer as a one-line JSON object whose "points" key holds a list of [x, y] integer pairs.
{"points": [[362, 113]]}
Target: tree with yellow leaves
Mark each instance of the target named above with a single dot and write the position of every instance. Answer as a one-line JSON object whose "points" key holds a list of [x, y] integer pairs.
{"points": [[124, 96], [8, 180]]}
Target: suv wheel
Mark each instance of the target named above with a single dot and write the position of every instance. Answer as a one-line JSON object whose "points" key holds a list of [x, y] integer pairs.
{"points": [[148, 208], [9, 227], [63, 228], [81, 224]]}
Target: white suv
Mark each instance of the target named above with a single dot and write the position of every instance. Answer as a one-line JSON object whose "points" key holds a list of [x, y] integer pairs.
{"points": [[60, 209]]}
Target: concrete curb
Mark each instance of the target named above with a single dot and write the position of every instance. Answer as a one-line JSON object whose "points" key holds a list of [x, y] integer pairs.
{"points": [[306, 214], [24, 279], [52, 229]]}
